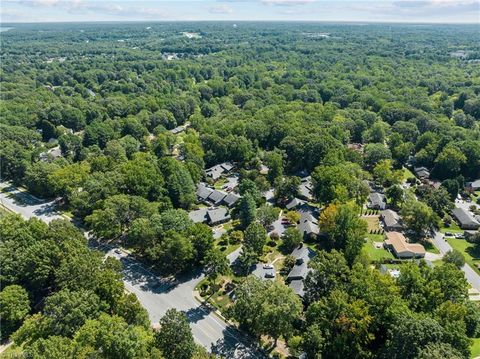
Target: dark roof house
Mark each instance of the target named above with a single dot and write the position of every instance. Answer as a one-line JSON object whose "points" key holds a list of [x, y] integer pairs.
{"points": [[391, 220], [230, 199], [218, 216], [421, 172], [216, 197], [300, 270], [203, 192]]}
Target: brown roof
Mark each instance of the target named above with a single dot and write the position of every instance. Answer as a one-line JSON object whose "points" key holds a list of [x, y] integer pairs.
{"points": [[398, 241]]}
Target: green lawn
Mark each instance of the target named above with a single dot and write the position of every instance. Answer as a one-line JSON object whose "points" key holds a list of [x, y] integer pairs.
{"points": [[475, 348], [454, 228], [472, 256], [407, 174], [373, 253]]}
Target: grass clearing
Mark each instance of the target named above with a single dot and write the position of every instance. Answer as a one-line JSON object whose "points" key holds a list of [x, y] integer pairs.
{"points": [[376, 254], [475, 348], [472, 254]]}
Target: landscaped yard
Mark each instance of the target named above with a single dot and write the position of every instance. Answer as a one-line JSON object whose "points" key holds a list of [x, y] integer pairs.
{"points": [[472, 256], [454, 228], [372, 222], [374, 253]]}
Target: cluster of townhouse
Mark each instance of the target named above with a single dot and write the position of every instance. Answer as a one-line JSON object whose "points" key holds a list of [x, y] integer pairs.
{"points": [[218, 202]]}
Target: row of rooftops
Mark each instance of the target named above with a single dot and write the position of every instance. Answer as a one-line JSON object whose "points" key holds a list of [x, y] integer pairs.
{"points": [[214, 196], [300, 270], [212, 216], [215, 172]]}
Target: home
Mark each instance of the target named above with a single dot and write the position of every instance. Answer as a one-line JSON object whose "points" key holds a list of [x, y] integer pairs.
{"points": [[470, 234], [52, 154], [177, 130], [308, 225], [465, 219], [391, 220], [398, 244], [376, 201], [294, 203], [199, 215], [300, 270], [473, 186], [217, 171], [230, 199], [216, 197], [212, 216], [203, 192], [217, 216], [305, 188], [421, 172]]}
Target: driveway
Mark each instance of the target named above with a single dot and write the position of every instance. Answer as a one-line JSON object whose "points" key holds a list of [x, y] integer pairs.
{"points": [[443, 246], [156, 294]]}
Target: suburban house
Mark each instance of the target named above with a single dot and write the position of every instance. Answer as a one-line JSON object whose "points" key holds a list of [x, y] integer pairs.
{"points": [[199, 215], [294, 203], [52, 153], [218, 216], [421, 172], [230, 199], [203, 192], [465, 219], [178, 130], [217, 171], [376, 201], [216, 197], [305, 188], [300, 270], [308, 225], [213, 216], [398, 244], [391, 220], [473, 186]]}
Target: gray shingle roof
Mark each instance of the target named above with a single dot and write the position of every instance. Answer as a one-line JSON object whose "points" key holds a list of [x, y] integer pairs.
{"points": [[203, 191], [307, 227], [298, 287], [230, 199], [198, 216], [216, 196], [391, 219], [465, 218], [218, 215], [294, 203]]}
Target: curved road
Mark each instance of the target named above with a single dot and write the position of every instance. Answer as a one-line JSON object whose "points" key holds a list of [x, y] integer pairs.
{"points": [[156, 294]]}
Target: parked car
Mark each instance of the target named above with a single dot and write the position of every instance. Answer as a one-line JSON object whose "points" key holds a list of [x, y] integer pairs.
{"points": [[458, 235], [449, 234], [267, 266], [269, 275]]}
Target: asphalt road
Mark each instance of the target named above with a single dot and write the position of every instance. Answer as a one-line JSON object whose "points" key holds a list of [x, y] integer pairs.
{"points": [[443, 246], [156, 294]]}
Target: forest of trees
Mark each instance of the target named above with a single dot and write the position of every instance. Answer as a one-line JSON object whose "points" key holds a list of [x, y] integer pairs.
{"points": [[253, 94]]}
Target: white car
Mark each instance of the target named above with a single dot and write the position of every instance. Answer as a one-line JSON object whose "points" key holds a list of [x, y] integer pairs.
{"points": [[267, 266]]}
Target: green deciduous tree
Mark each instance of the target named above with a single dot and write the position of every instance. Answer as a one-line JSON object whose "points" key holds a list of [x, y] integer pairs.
{"points": [[14, 307], [174, 338]]}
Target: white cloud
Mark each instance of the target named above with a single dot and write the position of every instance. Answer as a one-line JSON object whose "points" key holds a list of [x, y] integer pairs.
{"points": [[220, 9], [286, 2]]}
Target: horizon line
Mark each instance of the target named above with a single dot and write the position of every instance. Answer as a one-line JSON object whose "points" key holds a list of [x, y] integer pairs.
{"points": [[240, 21]]}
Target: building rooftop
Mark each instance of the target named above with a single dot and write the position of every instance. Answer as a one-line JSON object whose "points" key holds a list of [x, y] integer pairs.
{"points": [[398, 241], [218, 215], [464, 217]]}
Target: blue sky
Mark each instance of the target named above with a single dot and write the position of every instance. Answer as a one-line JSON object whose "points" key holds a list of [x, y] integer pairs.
{"points": [[424, 11]]}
